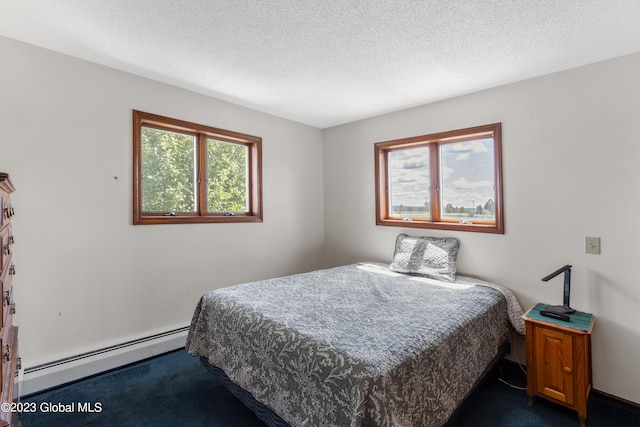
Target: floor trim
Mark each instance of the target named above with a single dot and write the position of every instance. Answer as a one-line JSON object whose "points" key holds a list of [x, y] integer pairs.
{"points": [[42, 377]]}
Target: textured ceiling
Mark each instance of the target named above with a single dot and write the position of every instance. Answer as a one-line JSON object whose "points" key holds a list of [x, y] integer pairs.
{"points": [[328, 62]]}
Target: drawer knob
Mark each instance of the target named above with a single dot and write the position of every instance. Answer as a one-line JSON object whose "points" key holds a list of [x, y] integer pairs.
{"points": [[12, 270], [7, 297], [567, 369], [7, 353], [12, 310]]}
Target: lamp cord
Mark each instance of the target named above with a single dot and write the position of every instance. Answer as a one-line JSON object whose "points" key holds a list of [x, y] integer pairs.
{"points": [[515, 352]]}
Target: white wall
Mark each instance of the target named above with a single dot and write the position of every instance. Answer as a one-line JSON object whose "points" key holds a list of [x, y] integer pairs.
{"points": [[571, 161], [86, 278]]}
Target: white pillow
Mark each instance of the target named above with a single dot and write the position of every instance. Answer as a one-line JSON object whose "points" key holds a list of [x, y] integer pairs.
{"points": [[433, 257]]}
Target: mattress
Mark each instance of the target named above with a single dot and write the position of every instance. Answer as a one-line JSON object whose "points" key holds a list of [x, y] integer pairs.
{"points": [[356, 345]]}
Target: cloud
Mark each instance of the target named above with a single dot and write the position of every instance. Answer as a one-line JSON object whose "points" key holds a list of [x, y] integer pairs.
{"points": [[465, 149], [446, 171], [462, 183], [414, 165]]}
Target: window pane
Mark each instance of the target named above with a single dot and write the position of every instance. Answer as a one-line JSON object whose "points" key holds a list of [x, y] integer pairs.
{"points": [[409, 195], [168, 171], [467, 181], [228, 184]]}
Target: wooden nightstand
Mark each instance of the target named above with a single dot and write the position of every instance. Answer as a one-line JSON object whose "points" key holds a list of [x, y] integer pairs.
{"points": [[559, 359]]}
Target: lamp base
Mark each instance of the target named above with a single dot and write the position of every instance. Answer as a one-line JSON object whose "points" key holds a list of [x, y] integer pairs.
{"points": [[560, 312], [560, 309]]}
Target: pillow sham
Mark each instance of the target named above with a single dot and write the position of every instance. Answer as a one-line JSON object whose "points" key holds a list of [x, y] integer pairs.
{"points": [[433, 257]]}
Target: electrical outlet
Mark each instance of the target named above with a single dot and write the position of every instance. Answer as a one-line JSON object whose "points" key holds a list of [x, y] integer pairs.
{"points": [[591, 245]]}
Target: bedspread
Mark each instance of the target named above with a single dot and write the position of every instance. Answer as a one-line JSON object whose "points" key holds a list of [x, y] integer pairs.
{"points": [[356, 345]]}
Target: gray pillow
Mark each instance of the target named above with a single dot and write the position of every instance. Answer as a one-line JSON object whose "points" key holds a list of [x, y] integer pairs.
{"points": [[433, 257]]}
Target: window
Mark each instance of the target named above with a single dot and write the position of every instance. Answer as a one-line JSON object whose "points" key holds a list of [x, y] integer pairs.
{"points": [[450, 180], [184, 172]]}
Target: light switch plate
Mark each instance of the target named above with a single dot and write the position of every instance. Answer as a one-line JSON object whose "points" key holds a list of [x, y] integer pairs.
{"points": [[591, 245]]}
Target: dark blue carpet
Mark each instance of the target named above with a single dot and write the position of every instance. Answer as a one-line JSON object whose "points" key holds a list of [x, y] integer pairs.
{"points": [[497, 403], [170, 390], [174, 389]]}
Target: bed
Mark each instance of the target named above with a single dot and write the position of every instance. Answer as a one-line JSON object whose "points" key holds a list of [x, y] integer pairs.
{"points": [[359, 345]]}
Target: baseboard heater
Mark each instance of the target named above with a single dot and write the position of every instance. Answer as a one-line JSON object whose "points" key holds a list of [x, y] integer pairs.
{"points": [[38, 378]]}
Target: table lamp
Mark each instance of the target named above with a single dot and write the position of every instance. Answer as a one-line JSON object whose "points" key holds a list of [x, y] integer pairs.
{"points": [[560, 311]]}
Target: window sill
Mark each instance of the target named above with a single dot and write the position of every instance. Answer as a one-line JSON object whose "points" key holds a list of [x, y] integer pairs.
{"points": [[479, 228], [195, 219]]}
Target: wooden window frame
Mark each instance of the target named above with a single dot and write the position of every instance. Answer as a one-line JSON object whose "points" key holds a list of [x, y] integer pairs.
{"points": [[202, 133], [434, 141]]}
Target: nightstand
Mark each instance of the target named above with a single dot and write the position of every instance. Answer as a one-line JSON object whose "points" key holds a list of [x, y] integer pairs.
{"points": [[559, 359]]}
